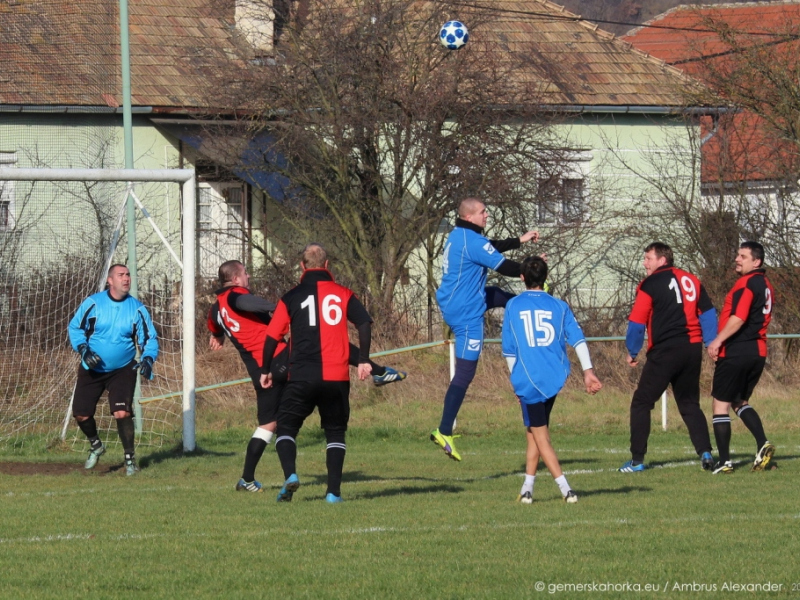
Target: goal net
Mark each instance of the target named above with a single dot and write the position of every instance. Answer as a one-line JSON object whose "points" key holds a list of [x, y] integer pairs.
{"points": [[60, 229]]}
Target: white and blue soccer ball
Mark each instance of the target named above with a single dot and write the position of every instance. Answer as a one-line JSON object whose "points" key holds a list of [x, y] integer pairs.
{"points": [[453, 35]]}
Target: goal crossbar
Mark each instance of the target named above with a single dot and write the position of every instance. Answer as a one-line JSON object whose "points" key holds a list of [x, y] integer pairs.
{"points": [[185, 177]]}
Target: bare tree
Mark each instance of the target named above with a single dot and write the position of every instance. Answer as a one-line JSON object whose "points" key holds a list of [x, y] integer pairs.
{"points": [[372, 132]]}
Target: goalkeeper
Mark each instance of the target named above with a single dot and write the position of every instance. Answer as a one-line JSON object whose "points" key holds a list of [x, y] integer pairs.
{"points": [[105, 332]]}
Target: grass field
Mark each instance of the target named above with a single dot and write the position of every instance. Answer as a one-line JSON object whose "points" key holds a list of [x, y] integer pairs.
{"points": [[414, 524]]}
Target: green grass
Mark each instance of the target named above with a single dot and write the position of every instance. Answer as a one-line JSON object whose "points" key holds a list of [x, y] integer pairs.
{"points": [[414, 524]]}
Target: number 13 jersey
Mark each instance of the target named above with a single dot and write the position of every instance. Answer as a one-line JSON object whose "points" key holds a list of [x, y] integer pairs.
{"points": [[316, 313], [669, 302]]}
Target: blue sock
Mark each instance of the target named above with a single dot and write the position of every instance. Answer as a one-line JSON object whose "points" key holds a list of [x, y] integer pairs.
{"points": [[452, 403]]}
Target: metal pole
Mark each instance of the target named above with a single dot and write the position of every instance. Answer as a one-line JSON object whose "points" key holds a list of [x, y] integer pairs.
{"points": [[188, 292]]}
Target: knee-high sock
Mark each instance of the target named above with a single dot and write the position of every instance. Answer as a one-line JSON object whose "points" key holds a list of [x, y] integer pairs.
{"points": [[465, 373], [89, 429], [752, 421], [334, 460], [722, 434], [255, 448], [126, 434], [286, 448]]}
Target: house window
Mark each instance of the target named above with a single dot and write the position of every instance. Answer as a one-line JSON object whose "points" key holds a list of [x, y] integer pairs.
{"points": [[204, 209], [235, 208], [561, 200], [7, 191]]}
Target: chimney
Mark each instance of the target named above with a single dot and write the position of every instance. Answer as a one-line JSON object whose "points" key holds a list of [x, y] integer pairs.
{"points": [[254, 19]]}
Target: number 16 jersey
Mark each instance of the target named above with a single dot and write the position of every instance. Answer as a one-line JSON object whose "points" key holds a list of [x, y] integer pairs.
{"points": [[316, 313], [669, 303]]}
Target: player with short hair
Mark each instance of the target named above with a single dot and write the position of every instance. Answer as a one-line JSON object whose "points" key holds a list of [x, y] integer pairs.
{"points": [[536, 331], [105, 331], [674, 308], [463, 298], [316, 312], [243, 317], [740, 353]]}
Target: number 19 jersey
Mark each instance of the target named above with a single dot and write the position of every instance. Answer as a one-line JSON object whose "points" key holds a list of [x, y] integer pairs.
{"points": [[669, 302], [536, 330]]}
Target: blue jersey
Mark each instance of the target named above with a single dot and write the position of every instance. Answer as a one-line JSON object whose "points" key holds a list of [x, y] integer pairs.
{"points": [[536, 331], [112, 328], [467, 258]]}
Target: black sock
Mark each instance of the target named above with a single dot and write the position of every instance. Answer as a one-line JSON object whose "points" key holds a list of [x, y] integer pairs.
{"points": [[377, 369], [286, 448], [126, 434], [89, 429], [722, 433], [255, 448], [334, 460], [752, 421]]}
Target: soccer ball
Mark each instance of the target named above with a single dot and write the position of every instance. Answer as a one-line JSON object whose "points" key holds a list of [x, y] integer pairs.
{"points": [[453, 35]]}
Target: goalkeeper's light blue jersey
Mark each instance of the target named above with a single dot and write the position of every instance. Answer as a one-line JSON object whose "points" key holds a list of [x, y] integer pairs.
{"points": [[112, 328], [536, 331], [466, 260]]}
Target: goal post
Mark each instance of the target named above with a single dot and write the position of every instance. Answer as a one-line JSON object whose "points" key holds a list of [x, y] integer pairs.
{"points": [[9, 257]]}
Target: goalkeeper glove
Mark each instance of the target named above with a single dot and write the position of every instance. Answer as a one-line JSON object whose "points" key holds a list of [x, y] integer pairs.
{"points": [[89, 358], [145, 367]]}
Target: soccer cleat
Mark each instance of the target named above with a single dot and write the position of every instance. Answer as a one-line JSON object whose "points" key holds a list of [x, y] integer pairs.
{"points": [[390, 376], [571, 497], [130, 467], [707, 461], [333, 499], [248, 486], [629, 467], [722, 468], [289, 488], [763, 457], [446, 442], [94, 456], [525, 498]]}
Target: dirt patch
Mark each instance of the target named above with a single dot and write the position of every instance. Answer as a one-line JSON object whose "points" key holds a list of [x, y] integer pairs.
{"points": [[52, 468]]}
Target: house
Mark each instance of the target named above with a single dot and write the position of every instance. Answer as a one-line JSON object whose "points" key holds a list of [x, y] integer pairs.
{"points": [[61, 97], [746, 163]]}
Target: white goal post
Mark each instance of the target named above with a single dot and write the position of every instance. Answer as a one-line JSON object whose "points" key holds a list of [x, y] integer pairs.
{"points": [[185, 177]]}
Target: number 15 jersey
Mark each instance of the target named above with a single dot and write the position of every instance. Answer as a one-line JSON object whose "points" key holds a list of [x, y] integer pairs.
{"points": [[536, 330], [669, 303], [316, 313]]}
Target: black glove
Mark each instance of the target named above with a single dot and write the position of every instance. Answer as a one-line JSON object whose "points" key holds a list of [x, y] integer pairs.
{"points": [[145, 367], [90, 359]]}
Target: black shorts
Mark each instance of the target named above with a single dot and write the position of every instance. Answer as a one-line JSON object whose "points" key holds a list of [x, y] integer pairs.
{"points": [[267, 400], [537, 414], [735, 377], [120, 383], [300, 398]]}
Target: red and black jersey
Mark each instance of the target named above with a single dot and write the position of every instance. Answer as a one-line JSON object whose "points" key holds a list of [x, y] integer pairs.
{"points": [[750, 299], [316, 312], [669, 302], [246, 330]]}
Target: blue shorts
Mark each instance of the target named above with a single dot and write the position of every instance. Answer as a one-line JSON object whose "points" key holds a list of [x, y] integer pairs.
{"points": [[469, 339], [538, 413]]}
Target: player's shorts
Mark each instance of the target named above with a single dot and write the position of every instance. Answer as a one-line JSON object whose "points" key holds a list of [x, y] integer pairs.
{"points": [[120, 383], [268, 399], [469, 339], [300, 398], [538, 413], [735, 377]]}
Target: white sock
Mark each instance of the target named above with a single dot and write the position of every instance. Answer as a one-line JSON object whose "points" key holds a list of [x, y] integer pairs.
{"points": [[563, 485], [528, 485]]}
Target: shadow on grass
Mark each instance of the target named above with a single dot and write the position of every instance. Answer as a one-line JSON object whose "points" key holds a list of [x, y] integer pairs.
{"points": [[398, 491], [174, 453], [622, 490]]}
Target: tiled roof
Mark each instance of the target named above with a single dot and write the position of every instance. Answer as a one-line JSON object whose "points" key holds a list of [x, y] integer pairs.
{"points": [[680, 36], [577, 63], [742, 147], [66, 52]]}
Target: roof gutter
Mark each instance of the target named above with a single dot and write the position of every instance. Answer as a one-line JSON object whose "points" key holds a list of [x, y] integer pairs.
{"points": [[636, 109], [66, 108]]}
